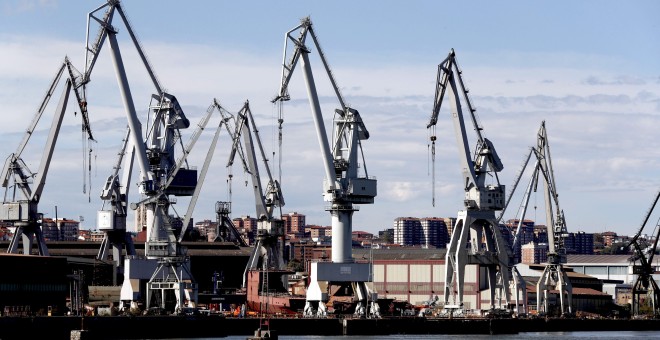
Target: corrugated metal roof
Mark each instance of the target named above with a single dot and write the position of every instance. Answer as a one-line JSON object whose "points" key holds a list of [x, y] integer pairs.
{"points": [[400, 253], [600, 259]]}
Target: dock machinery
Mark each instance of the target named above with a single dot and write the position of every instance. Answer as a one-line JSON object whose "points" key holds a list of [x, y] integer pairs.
{"points": [[554, 276], [156, 159], [225, 230], [475, 224], [111, 219], [343, 186], [268, 251], [22, 208], [518, 284], [645, 290]]}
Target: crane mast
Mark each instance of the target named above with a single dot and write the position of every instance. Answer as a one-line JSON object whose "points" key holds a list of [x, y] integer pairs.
{"points": [[476, 223], [343, 186], [22, 211]]}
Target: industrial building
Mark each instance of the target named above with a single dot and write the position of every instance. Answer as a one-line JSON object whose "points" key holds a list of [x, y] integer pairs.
{"points": [[408, 274]]}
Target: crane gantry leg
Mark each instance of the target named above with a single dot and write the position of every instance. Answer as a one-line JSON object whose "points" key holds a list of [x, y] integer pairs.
{"points": [[481, 226]]}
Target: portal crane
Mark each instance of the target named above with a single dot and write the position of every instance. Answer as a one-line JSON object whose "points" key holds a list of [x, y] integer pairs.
{"points": [[554, 275], [476, 223], [155, 157], [226, 230], [111, 219], [645, 290], [22, 209], [268, 251], [343, 186], [207, 161], [518, 284]]}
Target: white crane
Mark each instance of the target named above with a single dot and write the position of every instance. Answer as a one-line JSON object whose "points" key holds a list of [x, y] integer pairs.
{"points": [[476, 223], [554, 275], [343, 186], [160, 176], [226, 230], [17, 178], [645, 291], [268, 251], [111, 219]]}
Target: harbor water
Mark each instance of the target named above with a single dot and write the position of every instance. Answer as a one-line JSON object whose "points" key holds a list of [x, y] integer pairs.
{"points": [[520, 336]]}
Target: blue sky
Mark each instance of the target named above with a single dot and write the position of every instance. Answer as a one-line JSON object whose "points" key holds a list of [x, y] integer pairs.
{"points": [[590, 69]]}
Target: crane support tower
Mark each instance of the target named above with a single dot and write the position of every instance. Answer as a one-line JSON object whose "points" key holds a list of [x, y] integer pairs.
{"points": [[645, 291], [23, 209], [343, 187], [475, 224]]}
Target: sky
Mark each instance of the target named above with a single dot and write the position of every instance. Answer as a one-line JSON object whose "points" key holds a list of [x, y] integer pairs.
{"points": [[589, 69]]}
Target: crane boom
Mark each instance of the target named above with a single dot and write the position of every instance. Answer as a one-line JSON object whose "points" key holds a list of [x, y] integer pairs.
{"points": [[23, 212], [205, 168]]}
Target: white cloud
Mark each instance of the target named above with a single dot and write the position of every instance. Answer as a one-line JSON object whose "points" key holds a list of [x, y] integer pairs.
{"points": [[12, 7], [601, 126]]}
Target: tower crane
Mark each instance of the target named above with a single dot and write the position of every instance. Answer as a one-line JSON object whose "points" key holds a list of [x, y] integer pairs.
{"points": [[343, 187], [477, 222], [645, 288], [23, 188], [155, 156]]}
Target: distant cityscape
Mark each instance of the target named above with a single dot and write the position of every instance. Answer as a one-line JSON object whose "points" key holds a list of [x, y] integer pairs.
{"points": [[424, 233]]}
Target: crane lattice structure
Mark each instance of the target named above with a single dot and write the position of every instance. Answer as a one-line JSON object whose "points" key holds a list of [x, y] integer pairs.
{"points": [[343, 186]]}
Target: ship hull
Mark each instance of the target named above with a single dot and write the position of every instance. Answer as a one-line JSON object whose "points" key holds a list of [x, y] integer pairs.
{"points": [[271, 296]]}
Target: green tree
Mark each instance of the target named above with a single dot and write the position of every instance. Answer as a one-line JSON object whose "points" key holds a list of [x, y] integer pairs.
{"points": [[295, 265]]}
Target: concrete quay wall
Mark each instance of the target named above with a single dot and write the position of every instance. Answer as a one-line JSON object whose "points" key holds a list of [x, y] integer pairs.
{"points": [[164, 327]]}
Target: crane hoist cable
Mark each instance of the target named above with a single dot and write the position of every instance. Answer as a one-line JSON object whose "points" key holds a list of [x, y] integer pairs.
{"points": [[432, 138], [279, 161]]}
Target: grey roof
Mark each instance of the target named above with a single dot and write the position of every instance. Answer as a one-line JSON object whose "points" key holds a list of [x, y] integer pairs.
{"points": [[597, 259], [400, 253]]}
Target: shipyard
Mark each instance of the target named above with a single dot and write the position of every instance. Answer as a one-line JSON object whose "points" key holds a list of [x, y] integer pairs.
{"points": [[238, 215]]}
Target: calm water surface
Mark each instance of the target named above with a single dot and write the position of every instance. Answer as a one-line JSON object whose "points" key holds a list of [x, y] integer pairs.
{"points": [[531, 335]]}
